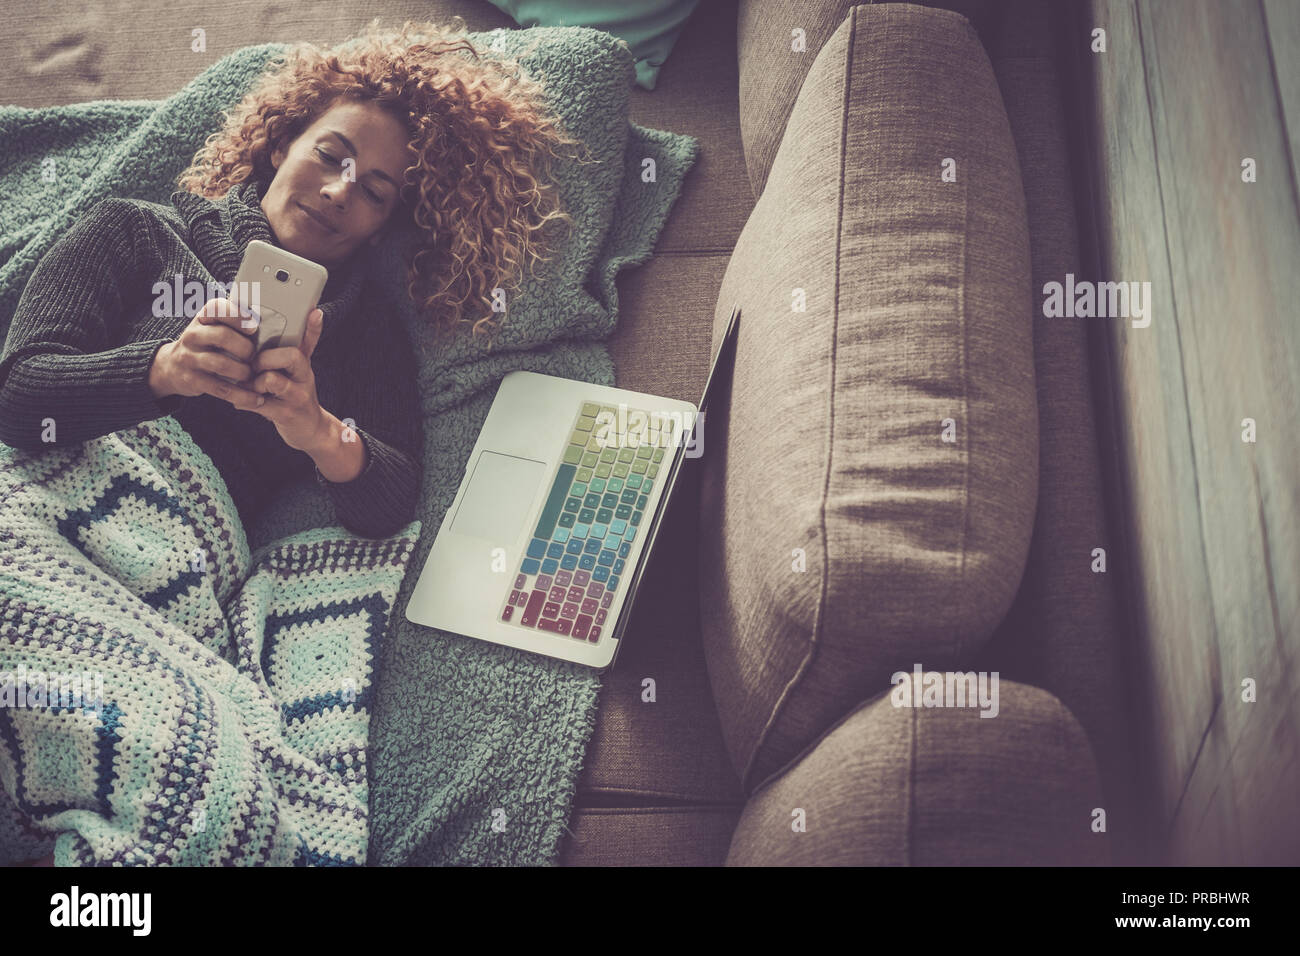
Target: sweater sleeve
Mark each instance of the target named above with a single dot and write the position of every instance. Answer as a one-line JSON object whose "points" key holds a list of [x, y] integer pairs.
{"points": [[58, 366], [384, 405]]}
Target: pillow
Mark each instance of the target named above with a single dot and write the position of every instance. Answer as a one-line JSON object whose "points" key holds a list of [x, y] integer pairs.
{"points": [[650, 27], [870, 478]]}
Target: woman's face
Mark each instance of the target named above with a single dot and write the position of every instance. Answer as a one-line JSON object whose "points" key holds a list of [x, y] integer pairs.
{"points": [[347, 169]]}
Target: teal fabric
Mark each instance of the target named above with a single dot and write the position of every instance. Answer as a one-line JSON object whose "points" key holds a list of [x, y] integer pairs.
{"points": [[650, 27], [209, 706], [475, 748]]}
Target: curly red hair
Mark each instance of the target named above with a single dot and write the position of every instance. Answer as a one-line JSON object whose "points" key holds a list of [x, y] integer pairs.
{"points": [[479, 196]]}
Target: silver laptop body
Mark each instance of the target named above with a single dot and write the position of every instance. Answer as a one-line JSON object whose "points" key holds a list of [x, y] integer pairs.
{"points": [[545, 543]]}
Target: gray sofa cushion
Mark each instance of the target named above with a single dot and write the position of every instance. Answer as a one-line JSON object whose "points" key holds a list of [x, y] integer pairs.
{"points": [[772, 70], [894, 786], [841, 537]]}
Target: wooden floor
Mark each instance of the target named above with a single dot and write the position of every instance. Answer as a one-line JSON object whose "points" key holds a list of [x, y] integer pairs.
{"points": [[1184, 94]]}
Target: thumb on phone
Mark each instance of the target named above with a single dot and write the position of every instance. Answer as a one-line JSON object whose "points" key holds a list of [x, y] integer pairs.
{"points": [[315, 325]]}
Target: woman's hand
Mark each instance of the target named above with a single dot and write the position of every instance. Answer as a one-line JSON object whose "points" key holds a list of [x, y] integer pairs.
{"points": [[216, 343], [277, 384], [288, 383]]}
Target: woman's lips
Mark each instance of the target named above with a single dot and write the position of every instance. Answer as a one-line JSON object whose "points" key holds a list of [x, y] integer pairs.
{"points": [[316, 218]]}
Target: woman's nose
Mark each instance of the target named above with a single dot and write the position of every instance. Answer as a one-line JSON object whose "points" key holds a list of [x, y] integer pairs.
{"points": [[337, 190]]}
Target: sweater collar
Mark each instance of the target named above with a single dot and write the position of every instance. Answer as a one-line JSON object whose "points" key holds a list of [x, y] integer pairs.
{"points": [[221, 229]]}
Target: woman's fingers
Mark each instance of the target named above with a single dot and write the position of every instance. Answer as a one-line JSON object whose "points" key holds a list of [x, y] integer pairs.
{"points": [[237, 395]]}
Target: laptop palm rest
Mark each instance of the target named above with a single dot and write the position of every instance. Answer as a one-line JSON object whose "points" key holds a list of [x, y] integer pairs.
{"points": [[499, 497]]}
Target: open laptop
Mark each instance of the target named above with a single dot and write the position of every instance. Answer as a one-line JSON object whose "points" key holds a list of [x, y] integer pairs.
{"points": [[545, 544]]}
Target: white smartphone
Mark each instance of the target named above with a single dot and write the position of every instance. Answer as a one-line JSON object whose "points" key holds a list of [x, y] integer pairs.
{"points": [[282, 289]]}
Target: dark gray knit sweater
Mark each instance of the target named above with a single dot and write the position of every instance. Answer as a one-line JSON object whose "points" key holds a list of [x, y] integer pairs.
{"points": [[84, 336]]}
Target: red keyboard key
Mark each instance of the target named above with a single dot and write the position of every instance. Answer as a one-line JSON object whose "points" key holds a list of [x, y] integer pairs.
{"points": [[600, 617], [563, 578], [589, 606], [547, 624], [596, 589], [575, 594], [581, 578], [563, 626], [550, 610], [594, 636], [520, 581], [580, 626], [535, 601], [505, 615], [544, 582], [569, 609], [558, 595], [607, 599]]}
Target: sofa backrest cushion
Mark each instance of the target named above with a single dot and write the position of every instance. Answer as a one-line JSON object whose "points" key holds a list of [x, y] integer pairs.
{"points": [[776, 44], [869, 471]]}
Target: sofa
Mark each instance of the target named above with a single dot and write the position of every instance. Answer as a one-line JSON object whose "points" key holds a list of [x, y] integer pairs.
{"points": [[900, 475]]}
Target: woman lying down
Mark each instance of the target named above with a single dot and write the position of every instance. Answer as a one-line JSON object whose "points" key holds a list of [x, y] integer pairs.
{"points": [[323, 158]]}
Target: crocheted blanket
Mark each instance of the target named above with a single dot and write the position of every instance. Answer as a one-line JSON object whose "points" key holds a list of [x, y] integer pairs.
{"points": [[166, 697]]}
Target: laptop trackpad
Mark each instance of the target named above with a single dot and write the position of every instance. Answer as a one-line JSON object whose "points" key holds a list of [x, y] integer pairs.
{"points": [[499, 495]]}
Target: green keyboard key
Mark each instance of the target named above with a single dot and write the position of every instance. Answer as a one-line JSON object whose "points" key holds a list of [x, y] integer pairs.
{"points": [[555, 502]]}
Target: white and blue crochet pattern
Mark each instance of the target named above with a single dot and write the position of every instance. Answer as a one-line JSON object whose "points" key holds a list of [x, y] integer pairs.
{"points": [[166, 698]]}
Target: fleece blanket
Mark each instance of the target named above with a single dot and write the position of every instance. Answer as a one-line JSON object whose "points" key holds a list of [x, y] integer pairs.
{"points": [[166, 697], [476, 749]]}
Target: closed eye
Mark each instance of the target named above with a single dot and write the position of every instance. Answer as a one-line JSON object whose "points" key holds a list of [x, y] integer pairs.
{"points": [[334, 162]]}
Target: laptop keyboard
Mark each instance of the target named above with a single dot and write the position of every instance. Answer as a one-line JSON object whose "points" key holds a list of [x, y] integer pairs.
{"points": [[578, 553]]}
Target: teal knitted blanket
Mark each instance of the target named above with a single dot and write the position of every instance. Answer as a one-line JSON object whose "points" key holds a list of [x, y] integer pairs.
{"points": [[476, 748], [166, 697]]}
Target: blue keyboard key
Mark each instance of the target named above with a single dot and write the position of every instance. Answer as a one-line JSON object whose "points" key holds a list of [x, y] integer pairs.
{"points": [[629, 496], [567, 520], [537, 548], [640, 502], [593, 545], [550, 566], [624, 548], [572, 504], [556, 550], [579, 489], [609, 501], [529, 566], [636, 518], [597, 485], [648, 486], [634, 481], [586, 562], [598, 530], [569, 562], [612, 583], [617, 527], [574, 546], [580, 530], [591, 501], [630, 534], [561, 535], [618, 566], [599, 573], [552, 510], [606, 557]]}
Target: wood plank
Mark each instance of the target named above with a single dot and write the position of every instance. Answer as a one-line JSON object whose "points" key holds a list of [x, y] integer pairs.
{"points": [[1170, 581], [1282, 20], [1233, 248]]}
